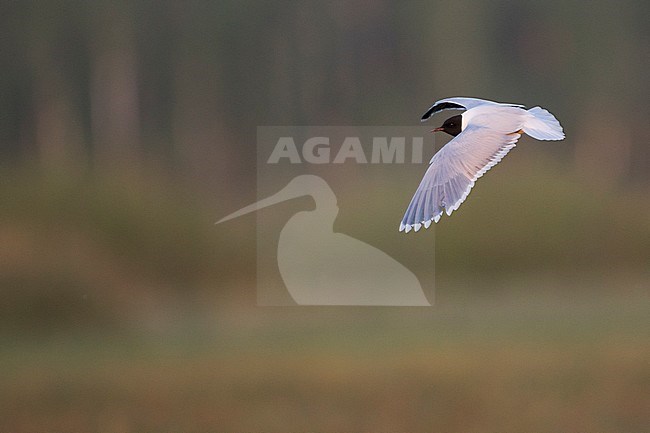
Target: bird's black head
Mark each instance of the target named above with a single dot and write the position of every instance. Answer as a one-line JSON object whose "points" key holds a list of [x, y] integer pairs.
{"points": [[452, 125]]}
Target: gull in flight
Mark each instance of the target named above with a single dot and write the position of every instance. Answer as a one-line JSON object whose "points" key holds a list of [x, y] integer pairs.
{"points": [[483, 135]]}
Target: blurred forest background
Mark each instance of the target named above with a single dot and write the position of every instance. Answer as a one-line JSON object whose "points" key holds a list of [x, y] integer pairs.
{"points": [[128, 127]]}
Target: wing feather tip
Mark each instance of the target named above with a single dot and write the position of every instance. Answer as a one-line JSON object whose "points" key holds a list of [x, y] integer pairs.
{"points": [[417, 226]]}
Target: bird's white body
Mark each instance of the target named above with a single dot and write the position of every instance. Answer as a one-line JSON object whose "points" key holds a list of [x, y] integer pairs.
{"points": [[488, 131]]}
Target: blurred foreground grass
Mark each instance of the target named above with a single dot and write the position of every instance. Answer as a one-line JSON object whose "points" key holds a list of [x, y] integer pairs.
{"points": [[546, 363], [125, 310]]}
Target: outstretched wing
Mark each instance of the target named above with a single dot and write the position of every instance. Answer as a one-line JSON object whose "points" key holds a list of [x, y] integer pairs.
{"points": [[453, 172], [459, 104]]}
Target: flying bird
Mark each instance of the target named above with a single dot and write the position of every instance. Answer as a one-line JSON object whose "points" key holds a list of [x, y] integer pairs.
{"points": [[483, 135]]}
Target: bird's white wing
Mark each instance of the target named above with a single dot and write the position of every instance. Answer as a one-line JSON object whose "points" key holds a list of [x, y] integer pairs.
{"points": [[459, 104], [453, 171]]}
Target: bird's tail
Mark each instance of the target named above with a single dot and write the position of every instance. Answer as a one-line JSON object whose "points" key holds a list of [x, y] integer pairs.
{"points": [[542, 125]]}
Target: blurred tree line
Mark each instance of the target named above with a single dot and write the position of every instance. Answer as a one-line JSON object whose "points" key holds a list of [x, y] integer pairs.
{"points": [[178, 87], [124, 124]]}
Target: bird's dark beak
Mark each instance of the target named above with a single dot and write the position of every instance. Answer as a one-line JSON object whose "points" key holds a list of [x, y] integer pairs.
{"points": [[438, 129]]}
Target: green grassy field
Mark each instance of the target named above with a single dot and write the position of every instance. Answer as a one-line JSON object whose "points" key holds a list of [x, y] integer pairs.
{"points": [[124, 310], [515, 363]]}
